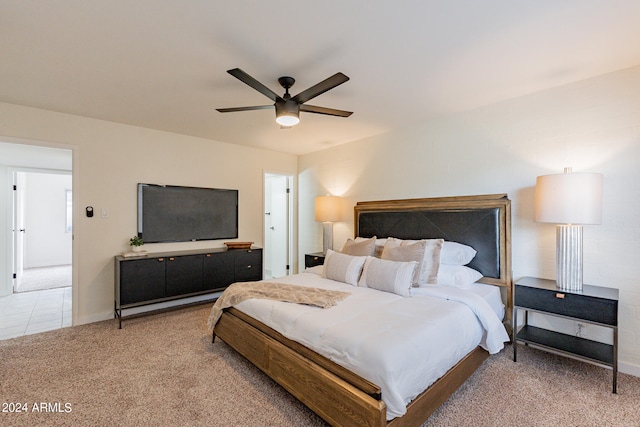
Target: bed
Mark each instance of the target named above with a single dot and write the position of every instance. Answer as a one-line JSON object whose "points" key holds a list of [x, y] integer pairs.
{"points": [[337, 391]]}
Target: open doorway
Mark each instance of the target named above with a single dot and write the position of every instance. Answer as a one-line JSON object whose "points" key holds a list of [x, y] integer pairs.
{"points": [[42, 226], [277, 225], [36, 272]]}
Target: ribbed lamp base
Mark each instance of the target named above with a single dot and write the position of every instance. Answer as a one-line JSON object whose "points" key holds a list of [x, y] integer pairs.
{"points": [[327, 236], [569, 257]]}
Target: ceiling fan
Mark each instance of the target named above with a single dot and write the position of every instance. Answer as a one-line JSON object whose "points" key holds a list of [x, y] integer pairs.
{"points": [[287, 107]]}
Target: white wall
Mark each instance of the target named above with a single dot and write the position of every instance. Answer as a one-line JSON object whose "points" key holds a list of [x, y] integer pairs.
{"points": [[592, 126], [47, 241], [109, 160]]}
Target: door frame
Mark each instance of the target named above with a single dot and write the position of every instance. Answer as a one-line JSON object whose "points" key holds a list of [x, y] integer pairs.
{"points": [[75, 216], [289, 220]]}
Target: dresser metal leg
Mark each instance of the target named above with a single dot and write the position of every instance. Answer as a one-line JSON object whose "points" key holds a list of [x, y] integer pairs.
{"points": [[515, 331], [615, 360]]}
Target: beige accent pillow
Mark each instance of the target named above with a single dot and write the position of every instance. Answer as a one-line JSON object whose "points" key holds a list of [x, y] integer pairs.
{"points": [[378, 248], [406, 253], [343, 268], [388, 276], [361, 248], [431, 261]]}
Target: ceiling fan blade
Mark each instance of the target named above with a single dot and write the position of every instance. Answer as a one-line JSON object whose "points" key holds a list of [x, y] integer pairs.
{"points": [[247, 79], [322, 110], [320, 88], [234, 109]]}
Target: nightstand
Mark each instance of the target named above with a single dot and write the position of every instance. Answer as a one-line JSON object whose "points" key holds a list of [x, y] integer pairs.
{"points": [[593, 305], [313, 259]]}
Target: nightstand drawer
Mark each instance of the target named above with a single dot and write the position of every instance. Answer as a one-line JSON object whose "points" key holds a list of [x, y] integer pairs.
{"points": [[311, 260], [568, 304]]}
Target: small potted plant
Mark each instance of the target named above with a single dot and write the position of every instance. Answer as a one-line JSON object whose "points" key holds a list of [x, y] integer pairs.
{"points": [[136, 243]]}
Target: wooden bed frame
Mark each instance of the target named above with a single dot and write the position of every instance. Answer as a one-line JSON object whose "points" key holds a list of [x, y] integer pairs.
{"points": [[341, 397]]}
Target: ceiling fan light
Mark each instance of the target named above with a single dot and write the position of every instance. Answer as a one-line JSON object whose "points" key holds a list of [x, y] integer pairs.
{"points": [[287, 113], [287, 120]]}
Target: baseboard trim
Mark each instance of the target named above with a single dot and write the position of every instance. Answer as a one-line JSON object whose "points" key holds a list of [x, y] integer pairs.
{"points": [[628, 368], [151, 307]]}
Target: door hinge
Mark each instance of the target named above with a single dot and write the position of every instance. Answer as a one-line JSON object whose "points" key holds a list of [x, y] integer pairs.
{"points": [[287, 267], [288, 190], [15, 276], [15, 187]]}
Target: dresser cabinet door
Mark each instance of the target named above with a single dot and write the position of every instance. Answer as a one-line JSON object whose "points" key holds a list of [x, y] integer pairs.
{"points": [[218, 270], [142, 280], [184, 275]]}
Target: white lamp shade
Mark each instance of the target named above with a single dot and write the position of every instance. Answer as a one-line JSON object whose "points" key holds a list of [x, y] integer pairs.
{"points": [[569, 198], [328, 208]]}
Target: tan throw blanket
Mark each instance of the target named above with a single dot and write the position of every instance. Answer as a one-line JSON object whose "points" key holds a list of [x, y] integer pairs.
{"points": [[242, 291]]}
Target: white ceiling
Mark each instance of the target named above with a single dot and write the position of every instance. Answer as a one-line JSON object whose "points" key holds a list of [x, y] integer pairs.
{"points": [[162, 63]]}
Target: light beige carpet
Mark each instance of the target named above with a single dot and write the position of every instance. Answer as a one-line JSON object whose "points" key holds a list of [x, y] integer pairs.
{"points": [[163, 370]]}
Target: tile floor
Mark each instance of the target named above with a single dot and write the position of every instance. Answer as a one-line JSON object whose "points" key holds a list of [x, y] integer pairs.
{"points": [[32, 312]]}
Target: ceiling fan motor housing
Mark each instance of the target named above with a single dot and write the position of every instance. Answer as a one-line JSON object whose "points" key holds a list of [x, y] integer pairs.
{"points": [[286, 82], [287, 107]]}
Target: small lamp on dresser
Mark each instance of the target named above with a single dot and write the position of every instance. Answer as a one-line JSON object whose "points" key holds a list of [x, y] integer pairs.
{"points": [[327, 212], [569, 200]]}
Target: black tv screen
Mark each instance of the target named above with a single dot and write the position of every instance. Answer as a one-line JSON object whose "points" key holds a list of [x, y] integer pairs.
{"points": [[169, 213]]}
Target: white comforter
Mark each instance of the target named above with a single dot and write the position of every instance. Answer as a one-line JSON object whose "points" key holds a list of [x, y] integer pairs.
{"points": [[401, 344]]}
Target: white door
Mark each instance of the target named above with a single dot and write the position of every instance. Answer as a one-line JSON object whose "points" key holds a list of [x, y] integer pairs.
{"points": [[277, 225], [18, 228]]}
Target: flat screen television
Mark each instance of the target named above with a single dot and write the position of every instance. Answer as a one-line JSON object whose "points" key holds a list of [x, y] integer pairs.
{"points": [[170, 213]]}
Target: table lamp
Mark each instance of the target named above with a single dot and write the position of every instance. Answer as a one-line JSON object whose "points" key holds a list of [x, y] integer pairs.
{"points": [[569, 200], [327, 212]]}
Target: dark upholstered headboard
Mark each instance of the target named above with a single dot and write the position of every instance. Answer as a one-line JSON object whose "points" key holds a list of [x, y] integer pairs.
{"points": [[482, 222]]}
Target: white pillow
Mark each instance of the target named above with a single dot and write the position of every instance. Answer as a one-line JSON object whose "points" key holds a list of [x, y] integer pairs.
{"points": [[431, 261], [454, 253], [342, 267], [458, 276], [388, 276]]}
